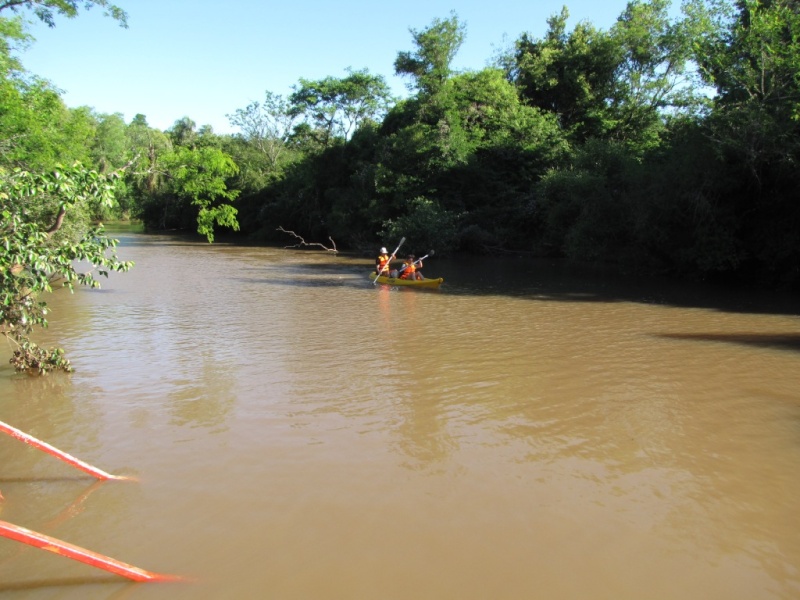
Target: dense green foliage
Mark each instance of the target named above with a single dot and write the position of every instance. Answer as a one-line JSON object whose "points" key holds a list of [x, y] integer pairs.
{"points": [[664, 145]]}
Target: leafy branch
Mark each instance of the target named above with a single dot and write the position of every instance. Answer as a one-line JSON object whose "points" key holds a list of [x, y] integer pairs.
{"points": [[32, 258], [46, 10]]}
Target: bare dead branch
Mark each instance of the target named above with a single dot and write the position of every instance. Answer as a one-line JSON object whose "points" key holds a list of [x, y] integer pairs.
{"points": [[302, 242]]}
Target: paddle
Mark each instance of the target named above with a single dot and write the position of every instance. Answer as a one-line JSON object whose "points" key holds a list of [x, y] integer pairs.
{"points": [[419, 260], [383, 268]]}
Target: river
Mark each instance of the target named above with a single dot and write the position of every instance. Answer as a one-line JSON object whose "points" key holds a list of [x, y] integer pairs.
{"points": [[529, 430]]}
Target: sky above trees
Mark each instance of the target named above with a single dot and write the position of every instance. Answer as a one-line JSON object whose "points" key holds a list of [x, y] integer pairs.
{"points": [[204, 59]]}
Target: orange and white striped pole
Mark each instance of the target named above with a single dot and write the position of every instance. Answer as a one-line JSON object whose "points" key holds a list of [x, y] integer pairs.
{"points": [[51, 544], [79, 464]]}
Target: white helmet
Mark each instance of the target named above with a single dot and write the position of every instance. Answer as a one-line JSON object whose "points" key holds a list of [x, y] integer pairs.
{"points": [[384, 251]]}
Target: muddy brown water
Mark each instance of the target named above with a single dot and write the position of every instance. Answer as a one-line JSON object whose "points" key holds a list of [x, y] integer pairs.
{"points": [[530, 430]]}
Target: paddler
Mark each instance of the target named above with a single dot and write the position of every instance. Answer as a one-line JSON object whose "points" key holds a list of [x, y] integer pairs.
{"points": [[382, 263], [411, 268]]}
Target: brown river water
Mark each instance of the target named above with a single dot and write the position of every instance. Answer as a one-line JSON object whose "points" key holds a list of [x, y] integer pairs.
{"points": [[529, 430]]}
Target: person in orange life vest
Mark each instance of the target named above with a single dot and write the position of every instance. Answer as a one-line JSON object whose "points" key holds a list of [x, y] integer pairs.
{"points": [[411, 270], [382, 263]]}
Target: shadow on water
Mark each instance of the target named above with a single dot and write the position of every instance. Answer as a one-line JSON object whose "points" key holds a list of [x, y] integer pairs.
{"points": [[561, 281], [548, 280], [519, 277], [788, 341], [11, 586]]}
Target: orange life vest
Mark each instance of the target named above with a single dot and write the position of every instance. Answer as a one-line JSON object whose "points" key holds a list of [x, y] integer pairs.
{"points": [[408, 270], [381, 262]]}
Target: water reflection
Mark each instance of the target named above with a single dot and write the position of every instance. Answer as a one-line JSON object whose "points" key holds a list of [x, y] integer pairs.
{"points": [[423, 433], [207, 398]]}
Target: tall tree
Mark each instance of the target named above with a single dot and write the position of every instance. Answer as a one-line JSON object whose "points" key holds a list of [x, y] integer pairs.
{"points": [[146, 146], [750, 54], [427, 133], [110, 146], [617, 84], [266, 125], [183, 132], [339, 106], [430, 64], [653, 77], [571, 75]]}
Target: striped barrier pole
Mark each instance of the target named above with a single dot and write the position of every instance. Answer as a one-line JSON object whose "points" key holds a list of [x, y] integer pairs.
{"points": [[79, 464], [51, 544]]}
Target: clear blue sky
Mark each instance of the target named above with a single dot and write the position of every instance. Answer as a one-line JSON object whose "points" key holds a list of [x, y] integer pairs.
{"points": [[205, 59]]}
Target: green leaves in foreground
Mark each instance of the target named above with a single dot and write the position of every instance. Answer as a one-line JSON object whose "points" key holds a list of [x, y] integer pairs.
{"points": [[34, 258]]}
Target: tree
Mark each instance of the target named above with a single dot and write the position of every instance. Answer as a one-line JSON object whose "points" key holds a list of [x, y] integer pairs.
{"points": [[749, 51], [46, 10], [570, 75], [198, 177], [338, 106], [618, 84], [181, 177], [35, 254], [182, 132], [37, 130], [429, 65], [426, 134], [267, 126], [110, 149], [146, 146], [750, 54], [498, 148], [653, 78]]}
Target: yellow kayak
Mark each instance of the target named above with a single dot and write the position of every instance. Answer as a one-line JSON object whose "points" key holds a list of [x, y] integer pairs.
{"points": [[420, 283]]}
